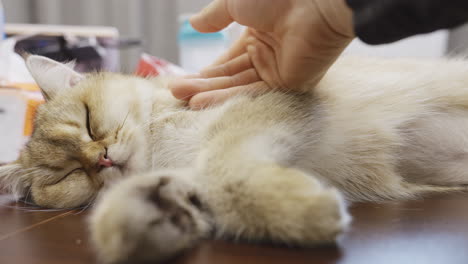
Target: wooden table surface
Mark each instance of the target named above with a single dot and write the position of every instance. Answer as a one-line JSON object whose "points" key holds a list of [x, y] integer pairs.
{"points": [[434, 230]]}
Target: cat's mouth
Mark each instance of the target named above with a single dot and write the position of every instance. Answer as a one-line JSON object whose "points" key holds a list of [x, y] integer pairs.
{"points": [[113, 161], [122, 167]]}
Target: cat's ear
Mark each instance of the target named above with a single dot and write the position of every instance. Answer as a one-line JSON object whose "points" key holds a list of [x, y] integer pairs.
{"points": [[12, 179], [51, 76]]}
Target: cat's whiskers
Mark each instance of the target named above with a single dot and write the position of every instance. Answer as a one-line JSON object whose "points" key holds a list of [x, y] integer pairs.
{"points": [[119, 129], [12, 187], [26, 197], [84, 208]]}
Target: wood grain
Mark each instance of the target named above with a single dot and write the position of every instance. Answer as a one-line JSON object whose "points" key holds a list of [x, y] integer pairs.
{"points": [[433, 230]]}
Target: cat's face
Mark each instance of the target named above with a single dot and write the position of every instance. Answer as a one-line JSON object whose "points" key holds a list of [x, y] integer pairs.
{"points": [[89, 132]]}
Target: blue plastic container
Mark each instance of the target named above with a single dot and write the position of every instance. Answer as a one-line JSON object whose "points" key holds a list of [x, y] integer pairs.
{"points": [[198, 50]]}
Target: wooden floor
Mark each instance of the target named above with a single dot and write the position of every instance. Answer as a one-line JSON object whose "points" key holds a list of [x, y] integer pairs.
{"points": [[428, 231]]}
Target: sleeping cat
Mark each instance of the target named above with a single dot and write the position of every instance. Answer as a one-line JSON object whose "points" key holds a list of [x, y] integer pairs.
{"points": [[277, 167]]}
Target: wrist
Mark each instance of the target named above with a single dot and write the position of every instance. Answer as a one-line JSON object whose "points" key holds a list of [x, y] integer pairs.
{"points": [[338, 16]]}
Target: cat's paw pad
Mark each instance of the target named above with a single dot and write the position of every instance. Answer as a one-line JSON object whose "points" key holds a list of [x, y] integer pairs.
{"points": [[152, 217]]}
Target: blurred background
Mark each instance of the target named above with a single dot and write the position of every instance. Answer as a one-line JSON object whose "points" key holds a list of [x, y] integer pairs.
{"points": [[156, 23], [132, 36]]}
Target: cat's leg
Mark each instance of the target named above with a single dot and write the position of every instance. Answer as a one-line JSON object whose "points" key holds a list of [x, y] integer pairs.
{"points": [[263, 201], [153, 217], [252, 197], [157, 215], [436, 152]]}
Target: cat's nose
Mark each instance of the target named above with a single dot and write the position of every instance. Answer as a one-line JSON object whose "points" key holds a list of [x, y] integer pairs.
{"points": [[105, 161]]}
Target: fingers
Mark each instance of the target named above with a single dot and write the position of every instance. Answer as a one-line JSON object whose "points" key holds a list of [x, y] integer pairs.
{"points": [[212, 18], [184, 89], [232, 67], [259, 14], [264, 60], [237, 49], [216, 97], [238, 71]]}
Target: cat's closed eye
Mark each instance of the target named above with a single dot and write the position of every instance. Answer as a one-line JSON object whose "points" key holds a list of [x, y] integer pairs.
{"points": [[88, 124]]}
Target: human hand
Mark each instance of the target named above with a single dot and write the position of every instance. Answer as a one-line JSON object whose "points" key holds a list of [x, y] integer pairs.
{"points": [[289, 45]]}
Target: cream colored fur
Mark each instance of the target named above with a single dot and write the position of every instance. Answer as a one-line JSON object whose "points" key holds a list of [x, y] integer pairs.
{"points": [[278, 167]]}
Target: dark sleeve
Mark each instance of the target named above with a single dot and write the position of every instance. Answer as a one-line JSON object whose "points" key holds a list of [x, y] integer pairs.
{"points": [[384, 21]]}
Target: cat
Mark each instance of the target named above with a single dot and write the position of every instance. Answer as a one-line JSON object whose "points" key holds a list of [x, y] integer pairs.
{"points": [[278, 167]]}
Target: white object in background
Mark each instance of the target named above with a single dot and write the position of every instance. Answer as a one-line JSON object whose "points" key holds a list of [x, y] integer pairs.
{"points": [[12, 66], [17, 108], [421, 46], [234, 31], [12, 111], [18, 98], [62, 30], [198, 50]]}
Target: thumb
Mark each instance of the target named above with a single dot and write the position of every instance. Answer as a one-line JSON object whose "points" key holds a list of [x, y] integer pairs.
{"points": [[212, 18]]}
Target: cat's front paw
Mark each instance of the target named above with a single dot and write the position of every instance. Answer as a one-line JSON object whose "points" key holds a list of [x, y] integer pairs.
{"points": [[150, 217]]}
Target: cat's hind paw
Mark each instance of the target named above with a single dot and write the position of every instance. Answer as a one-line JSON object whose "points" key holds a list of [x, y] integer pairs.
{"points": [[284, 206], [148, 218]]}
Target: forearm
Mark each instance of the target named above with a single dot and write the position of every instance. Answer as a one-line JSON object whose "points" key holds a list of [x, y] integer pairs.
{"points": [[384, 21]]}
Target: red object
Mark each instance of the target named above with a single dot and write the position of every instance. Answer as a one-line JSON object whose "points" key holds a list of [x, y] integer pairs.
{"points": [[150, 66]]}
